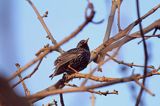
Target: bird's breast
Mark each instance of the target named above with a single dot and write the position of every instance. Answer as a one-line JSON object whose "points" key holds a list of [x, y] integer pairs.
{"points": [[81, 61]]}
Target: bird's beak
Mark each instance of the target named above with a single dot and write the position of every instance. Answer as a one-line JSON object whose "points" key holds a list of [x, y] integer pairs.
{"points": [[86, 40]]}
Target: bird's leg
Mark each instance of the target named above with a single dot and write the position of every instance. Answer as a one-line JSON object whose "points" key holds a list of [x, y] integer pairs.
{"points": [[72, 69]]}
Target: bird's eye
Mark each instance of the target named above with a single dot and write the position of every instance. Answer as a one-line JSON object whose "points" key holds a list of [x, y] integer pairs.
{"points": [[82, 42]]}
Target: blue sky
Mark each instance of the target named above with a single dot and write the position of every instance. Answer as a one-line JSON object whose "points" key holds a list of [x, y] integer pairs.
{"points": [[63, 18]]}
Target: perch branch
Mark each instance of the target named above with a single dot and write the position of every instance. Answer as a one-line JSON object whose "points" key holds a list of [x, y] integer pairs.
{"points": [[53, 91]]}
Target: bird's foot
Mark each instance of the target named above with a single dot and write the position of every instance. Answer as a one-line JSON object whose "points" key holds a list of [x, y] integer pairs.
{"points": [[72, 69]]}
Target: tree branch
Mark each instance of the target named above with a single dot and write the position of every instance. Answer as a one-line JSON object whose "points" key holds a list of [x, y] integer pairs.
{"points": [[44, 26], [52, 90]]}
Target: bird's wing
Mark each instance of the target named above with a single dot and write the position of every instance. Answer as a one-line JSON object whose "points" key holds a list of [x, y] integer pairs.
{"points": [[66, 57]]}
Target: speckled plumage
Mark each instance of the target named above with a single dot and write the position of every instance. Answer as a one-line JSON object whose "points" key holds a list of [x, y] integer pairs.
{"points": [[78, 58]]}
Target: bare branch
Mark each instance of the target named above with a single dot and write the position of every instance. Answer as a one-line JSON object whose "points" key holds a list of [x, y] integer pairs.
{"points": [[119, 2], [145, 54], [61, 100], [93, 99], [52, 90], [44, 26], [128, 64], [147, 90], [28, 76], [103, 93], [147, 37], [96, 92], [27, 92], [110, 20]]}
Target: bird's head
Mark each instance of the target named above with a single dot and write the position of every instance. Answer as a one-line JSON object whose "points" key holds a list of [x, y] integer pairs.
{"points": [[83, 44]]}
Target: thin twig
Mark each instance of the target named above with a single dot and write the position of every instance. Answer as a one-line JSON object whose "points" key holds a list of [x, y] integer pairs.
{"points": [[146, 37], [61, 99], [98, 22], [145, 54], [103, 93], [50, 36], [119, 2], [110, 20], [28, 76], [27, 92], [128, 64], [95, 92], [147, 90], [93, 99]]}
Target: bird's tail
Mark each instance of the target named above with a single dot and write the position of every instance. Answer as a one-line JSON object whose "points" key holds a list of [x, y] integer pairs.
{"points": [[52, 75]]}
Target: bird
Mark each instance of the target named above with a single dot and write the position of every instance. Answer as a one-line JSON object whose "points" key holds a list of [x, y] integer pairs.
{"points": [[73, 60]]}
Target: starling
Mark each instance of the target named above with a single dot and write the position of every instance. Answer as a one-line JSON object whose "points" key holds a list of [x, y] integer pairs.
{"points": [[72, 61]]}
